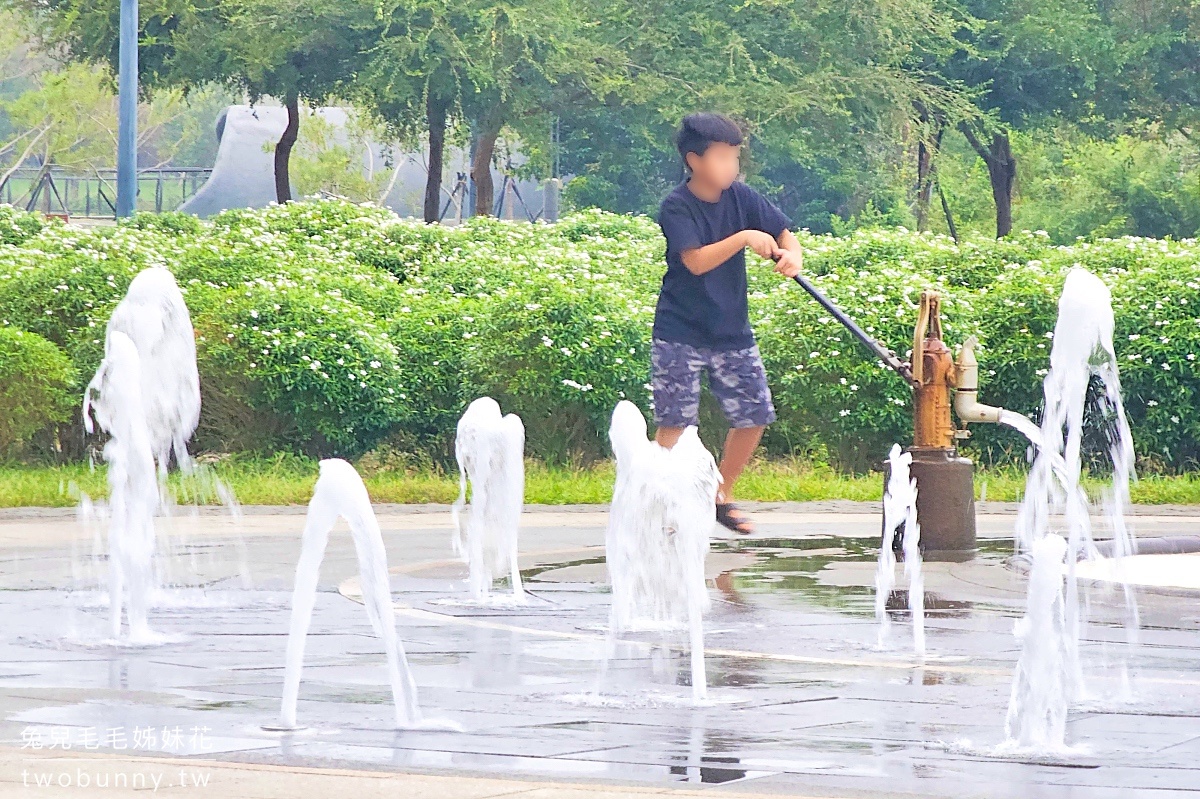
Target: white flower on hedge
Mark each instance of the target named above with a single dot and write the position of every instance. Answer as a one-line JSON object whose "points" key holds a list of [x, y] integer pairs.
{"points": [[1152, 403], [844, 412]]}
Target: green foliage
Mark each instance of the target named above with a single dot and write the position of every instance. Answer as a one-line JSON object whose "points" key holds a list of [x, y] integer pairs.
{"points": [[17, 226], [37, 389], [329, 327], [1140, 181], [167, 221], [561, 353], [316, 359], [326, 159]]}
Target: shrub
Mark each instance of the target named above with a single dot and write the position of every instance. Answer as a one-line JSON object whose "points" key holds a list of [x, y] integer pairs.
{"points": [[16, 227], [38, 389], [166, 221], [561, 356], [322, 365], [553, 320]]}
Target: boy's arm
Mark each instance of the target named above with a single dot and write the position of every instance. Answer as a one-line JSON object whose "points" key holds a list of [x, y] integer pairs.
{"points": [[785, 249], [699, 260]]}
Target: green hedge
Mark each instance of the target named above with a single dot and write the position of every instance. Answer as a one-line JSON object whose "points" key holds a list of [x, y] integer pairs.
{"points": [[330, 328], [37, 384]]}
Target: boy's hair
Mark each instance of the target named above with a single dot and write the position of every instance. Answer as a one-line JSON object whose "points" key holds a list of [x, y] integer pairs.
{"points": [[702, 129]]}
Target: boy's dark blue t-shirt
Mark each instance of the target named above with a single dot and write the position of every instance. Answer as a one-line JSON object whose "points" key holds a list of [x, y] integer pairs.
{"points": [[709, 310]]}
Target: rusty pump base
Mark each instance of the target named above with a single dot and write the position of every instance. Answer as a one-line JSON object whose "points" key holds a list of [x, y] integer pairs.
{"points": [[945, 479]]}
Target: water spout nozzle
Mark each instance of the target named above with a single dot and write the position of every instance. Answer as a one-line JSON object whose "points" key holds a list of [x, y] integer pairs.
{"points": [[966, 394]]}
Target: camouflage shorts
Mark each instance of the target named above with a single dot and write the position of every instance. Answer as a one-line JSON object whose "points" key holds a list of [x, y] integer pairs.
{"points": [[735, 377]]}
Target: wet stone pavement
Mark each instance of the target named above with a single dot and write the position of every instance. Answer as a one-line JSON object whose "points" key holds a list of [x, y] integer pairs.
{"points": [[802, 698]]}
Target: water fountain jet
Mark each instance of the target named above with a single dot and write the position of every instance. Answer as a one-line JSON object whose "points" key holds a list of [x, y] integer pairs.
{"points": [[663, 512], [146, 396], [489, 448], [900, 511], [1037, 708], [340, 493]]}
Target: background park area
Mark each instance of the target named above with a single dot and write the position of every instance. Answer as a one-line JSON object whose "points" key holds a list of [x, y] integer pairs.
{"points": [[981, 149]]}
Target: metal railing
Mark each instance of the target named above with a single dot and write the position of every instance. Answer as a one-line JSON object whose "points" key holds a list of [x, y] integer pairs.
{"points": [[57, 191]]}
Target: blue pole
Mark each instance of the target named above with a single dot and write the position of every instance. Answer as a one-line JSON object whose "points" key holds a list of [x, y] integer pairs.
{"points": [[127, 88]]}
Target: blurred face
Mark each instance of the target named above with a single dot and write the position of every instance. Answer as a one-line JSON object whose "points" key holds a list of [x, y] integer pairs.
{"points": [[719, 166]]}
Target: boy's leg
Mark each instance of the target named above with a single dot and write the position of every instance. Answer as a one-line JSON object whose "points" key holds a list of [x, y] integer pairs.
{"points": [[740, 444], [739, 381], [675, 380], [667, 436]]}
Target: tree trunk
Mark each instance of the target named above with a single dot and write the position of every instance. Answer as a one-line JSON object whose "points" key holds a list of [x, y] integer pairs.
{"points": [[1002, 172], [435, 118], [949, 216], [926, 151], [1002, 169], [481, 170], [924, 183], [283, 151]]}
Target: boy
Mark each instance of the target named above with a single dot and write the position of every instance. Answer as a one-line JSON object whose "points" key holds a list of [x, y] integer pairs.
{"points": [[701, 321]]}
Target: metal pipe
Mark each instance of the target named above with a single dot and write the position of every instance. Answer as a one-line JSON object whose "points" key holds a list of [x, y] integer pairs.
{"points": [[883, 353], [966, 392]]}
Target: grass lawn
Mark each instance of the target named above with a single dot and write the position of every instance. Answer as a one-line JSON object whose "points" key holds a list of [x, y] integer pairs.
{"points": [[287, 480]]}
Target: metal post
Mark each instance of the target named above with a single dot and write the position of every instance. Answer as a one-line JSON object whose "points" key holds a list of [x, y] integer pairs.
{"points": [[550, 199], [471, 177], [127, 87]]}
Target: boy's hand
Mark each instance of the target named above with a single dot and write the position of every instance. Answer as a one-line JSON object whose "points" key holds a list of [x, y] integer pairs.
{"points": [[788, 262], [761, 243]]}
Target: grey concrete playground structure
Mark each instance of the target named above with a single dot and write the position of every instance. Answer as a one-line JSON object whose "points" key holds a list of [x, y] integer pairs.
{"points": [[243, 175]]}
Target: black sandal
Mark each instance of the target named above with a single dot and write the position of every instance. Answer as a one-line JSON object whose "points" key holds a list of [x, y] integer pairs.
{"points": [[739, 524]]}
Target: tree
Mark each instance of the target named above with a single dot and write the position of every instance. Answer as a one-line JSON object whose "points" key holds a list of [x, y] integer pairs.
{"points": [[1032, 62], [826, 89], [527, 62], [294, 50], [413, 81]]}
